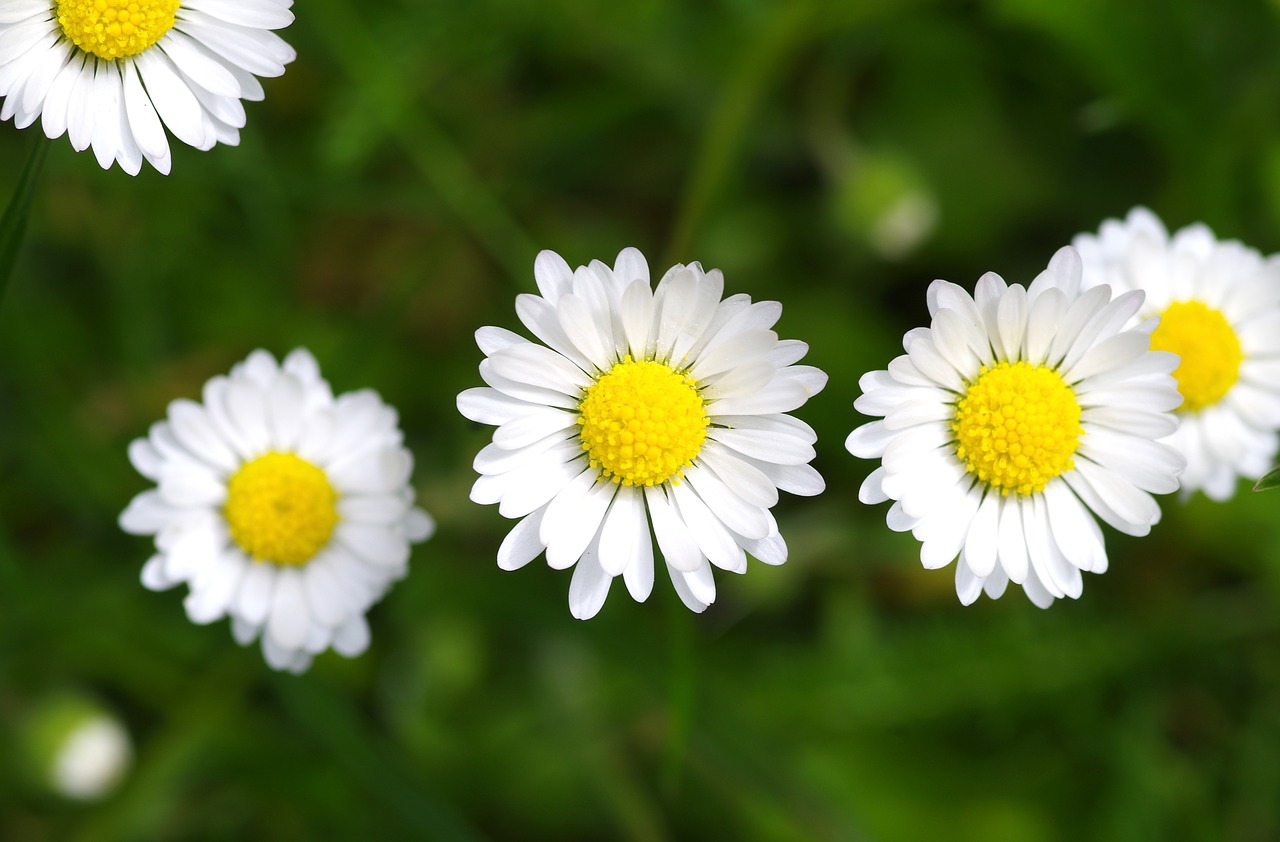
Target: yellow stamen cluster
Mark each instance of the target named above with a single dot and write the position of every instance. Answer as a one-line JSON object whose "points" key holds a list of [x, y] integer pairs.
{"points": [[112, 29], [1017, 427], [1208, 346], [642, 423], [280, 509]]}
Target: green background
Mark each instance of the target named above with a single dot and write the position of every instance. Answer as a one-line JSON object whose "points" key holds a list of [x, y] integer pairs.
{"points": [[388, 198]]}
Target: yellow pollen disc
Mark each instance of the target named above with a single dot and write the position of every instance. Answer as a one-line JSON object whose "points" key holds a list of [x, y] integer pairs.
{"points": [[1017, 427], [642, 423], [280, 509], [112, 29], [1209, 348]]}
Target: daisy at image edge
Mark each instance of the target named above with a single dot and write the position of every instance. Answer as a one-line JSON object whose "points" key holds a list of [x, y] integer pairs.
{"points": [[113, 74], [1017, 417], [279, 505], [1219, 308], [641, 414]]}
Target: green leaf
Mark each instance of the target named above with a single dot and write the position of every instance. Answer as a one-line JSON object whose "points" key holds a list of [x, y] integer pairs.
{"points": [[14, 224], [1271, 479]]}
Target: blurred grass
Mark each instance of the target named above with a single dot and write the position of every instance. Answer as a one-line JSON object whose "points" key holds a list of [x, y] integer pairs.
{"points": [[389, 197]]}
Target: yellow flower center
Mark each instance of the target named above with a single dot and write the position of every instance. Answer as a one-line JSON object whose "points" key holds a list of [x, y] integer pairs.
{"points": [[1208, 346], [280, 509], [642, 423], [1017, 427], [112, 29]]}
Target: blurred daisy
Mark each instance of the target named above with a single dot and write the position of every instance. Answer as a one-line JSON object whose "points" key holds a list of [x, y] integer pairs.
{"points": [[1219, 309], [92, 759], [1015, 414], [110, 72], [641, 412], [279, 505]]}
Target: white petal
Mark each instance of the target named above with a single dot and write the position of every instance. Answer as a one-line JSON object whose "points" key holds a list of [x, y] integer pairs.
{"points": [[696, 588], [747, 481], [375, 544], [540, 480], [573, 518], [254, 599], [540, 367], [173, 100], [352, 637], [1013, 543], [526, 429], [154, 575], [290, 618], [589, 586], [730, 509], [147, 514], [253, 15], [773, 447], [211, 596], [522, 544], [981, 545], [712, 537], [679, 549], [553, 275], [638, 575], [624, 530], [330, 603]]}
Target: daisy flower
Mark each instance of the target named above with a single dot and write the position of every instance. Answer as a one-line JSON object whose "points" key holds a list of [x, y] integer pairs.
{"points": [[1012, 417], [278, 505], [641, 414], [108, 73], [1219, 309]]}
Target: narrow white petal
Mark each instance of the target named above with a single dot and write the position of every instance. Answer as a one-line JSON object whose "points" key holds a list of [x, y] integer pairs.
{"points": [[253, 15], [981, 546], [770, 446], [533, 426], [708, 531], [553, 275], [253, 602], [573, 518], [590, 584], [377, 545], [696, 588], [747, 481], [522, 544], [352, 637], [290, 617], [968, 585], [738, 515], [679, 549], [173, 100], [624, 530]]}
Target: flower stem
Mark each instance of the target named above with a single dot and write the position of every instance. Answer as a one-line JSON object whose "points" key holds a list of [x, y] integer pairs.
{"points": [[14, 224], [682, 690]]}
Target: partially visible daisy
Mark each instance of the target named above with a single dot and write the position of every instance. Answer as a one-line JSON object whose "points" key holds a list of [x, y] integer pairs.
{"points": [[1012, 420], [641, 414], [108, 73], [280, 506], [1219, 309]]}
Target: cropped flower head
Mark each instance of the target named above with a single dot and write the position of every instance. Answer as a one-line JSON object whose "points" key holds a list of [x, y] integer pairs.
{"points": [[1219, 308], [280, 506], [110, 73], [641, 413], [1013, 419]]}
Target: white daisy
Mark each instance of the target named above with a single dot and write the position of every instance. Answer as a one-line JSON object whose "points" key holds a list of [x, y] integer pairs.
{"points": [[109, 72], [279, 505], [1219, 309], [1014, 414], [642, 412]]}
